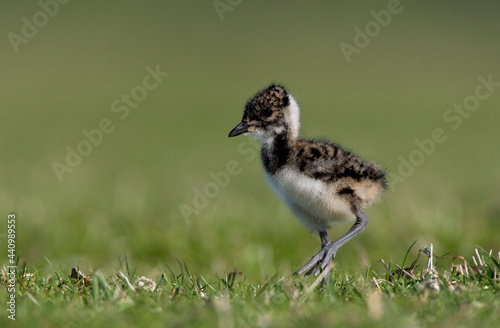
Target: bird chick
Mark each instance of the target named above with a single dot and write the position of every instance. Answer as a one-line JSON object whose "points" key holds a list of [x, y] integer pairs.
{"points": [[319, 181]]}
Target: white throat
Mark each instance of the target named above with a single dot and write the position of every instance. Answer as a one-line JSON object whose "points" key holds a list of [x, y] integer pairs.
{"points": [[293, 118]]}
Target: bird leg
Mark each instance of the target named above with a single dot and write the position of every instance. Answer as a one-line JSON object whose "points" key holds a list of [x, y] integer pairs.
{"points": [[322, 259]]}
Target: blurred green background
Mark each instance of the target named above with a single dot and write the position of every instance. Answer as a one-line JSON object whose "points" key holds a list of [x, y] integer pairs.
{"points": [[125, 195]]}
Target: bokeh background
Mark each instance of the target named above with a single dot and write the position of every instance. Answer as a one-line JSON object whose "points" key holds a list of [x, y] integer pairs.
{"points": [[125, 197]]}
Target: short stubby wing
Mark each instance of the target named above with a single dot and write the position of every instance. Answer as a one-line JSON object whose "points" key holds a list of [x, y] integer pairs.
{"points": [[348, 175]]}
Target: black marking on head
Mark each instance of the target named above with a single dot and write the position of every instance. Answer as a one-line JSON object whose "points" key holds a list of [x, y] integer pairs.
{"points": [[267, 112], [267, 101]]}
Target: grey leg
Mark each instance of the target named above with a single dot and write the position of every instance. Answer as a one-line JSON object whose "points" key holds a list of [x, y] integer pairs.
{"points": [[322, 259], [314, 262]]}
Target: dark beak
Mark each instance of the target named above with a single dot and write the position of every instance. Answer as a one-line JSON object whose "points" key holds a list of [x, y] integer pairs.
{"points": [[239, 129]]}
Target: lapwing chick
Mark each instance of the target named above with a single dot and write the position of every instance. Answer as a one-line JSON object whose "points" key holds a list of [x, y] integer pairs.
{"points": [[319, 181]]}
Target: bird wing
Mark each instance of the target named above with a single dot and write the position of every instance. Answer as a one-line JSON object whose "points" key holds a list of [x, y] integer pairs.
{"points": [[329, 162]]}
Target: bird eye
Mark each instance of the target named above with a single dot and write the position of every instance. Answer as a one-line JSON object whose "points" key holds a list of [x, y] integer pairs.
{"points": [[267, 112]]}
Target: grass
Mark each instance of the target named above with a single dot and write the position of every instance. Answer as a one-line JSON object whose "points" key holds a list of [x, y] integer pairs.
{"points": [[448, 291]]}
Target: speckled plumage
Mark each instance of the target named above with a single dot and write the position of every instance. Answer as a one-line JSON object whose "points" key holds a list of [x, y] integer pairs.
{"points": [[320, 181]]}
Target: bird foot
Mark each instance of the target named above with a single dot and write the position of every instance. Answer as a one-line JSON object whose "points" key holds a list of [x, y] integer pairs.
{"points": [[320, 261]]}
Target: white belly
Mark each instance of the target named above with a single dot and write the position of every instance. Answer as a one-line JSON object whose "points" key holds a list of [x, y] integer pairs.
{"points": [[315, 203]]}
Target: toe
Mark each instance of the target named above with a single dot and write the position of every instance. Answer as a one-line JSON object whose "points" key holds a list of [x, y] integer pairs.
{"points": [[313, 263]]}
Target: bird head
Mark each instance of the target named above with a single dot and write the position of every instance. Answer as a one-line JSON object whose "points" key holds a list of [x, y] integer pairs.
{"points": [[271, 112]]}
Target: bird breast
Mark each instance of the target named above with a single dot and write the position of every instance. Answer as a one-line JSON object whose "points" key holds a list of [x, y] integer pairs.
{"points": [[315, 203]]}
